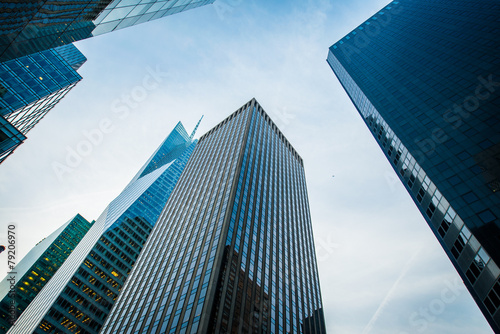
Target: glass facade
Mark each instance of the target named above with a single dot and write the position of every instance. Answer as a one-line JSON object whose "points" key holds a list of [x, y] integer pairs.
{"points": [[425, 79], [84, 289], [10, 139], [233, 249], [37, 268], [27, 27], [30, 87]]}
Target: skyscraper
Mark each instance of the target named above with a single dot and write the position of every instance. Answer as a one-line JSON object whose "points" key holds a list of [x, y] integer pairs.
{"points": [[30, 87], [425, 78], [31, 274], [233, 249], [32, 26], [80, 295]]}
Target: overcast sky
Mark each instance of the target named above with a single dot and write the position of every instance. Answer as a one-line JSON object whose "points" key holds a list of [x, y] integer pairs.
{"points": [[381, 268]]}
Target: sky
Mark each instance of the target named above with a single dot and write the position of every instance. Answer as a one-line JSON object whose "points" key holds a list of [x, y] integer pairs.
{"points": [[381, 268]]}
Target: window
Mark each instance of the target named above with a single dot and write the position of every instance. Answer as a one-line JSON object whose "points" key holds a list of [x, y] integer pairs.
{"points": [[470, 197], [445, 225], [492, 301], [487, 216], [461, 241], [475, 269]]}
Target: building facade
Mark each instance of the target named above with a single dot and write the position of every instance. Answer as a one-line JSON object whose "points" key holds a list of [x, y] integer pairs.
{"points": [[83, 290], [30, 87], [425, 78], [27, 27], [233, 249], [38, 266]]}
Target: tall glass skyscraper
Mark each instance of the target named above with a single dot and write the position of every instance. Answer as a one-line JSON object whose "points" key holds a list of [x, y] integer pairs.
{"points": [[30, 87], [233, 250], [425, 78], [31, 274], [27, 27], [81, 293]]}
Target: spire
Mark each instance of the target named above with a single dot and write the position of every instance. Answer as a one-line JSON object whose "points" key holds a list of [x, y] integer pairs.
{"points": [[195, 128]]}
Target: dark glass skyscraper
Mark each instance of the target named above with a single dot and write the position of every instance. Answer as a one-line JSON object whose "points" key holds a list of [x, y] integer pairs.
{"points": [[30, 87], [233, 249], [80, 295], [425, 77], [37, 268], [27, 27]]}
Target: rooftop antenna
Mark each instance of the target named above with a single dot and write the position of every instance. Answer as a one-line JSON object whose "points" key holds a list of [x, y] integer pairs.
{"points": [[195, 128]]}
